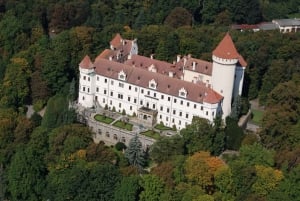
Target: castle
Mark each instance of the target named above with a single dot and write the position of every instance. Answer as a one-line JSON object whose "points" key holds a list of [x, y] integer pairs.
{"points": [[160, 92]]}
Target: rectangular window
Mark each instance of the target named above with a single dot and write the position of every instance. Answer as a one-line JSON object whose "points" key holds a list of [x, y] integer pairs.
{"points": [[175, 100], [162, 97], [120, 96], [173, 120], [213, 114], [104, 91], [201, 107], [105, 80], [121, 84], [112, 82], [97, 89], [135, 89], [83, 88], [111, 93], [187, 104], [153, 106], [180, 114], [134, 100], [97, 78], [141, 102], [168, 110], [195, 106], [161, 108], [129, 87], [88, 78], [103, 100], [128, 99], [148, 93], [206, 113], [142, 91], [181, 102], [169, 98], [88, 90], [167, 118], [84, 77], [174, 112], [187, 116], [160, 116], [110, 102], [179, 122], [154, 94], [130, 107], [120, 104]]}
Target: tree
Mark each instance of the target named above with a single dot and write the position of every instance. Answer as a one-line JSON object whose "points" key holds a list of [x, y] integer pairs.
{"points": [[234, 134], [166, 147], [165, 172], [200, 169], [256, 154], [178, 17], [135, 153], [152, 188], [267, 180], [127, 189], [202, 135]]}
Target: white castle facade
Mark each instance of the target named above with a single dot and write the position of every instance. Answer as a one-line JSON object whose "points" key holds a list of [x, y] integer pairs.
{"points": [[157, 91]]}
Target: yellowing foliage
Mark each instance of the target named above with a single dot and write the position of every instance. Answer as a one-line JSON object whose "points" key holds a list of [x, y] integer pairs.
{"points": [[201, 167], [267, 179]]}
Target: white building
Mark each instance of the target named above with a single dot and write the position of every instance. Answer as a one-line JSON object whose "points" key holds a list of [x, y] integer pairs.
{"points": [[158, 91]]}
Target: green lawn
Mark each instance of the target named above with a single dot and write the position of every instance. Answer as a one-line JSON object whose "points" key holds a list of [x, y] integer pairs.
{"points": [[257, 116], [152, 134], [103, 119], [162, 127], [123, 125]]}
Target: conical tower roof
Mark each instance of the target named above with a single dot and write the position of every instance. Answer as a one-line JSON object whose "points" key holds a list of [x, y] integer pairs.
{"points": [[226, 49], [86, 63]]}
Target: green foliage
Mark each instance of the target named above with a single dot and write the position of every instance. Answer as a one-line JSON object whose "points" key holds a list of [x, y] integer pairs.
{"points": [[234, 134], [120, 146], [57, 112], [166, 147], [202, 135], [135, 153], [128, 189], [152, 188]]}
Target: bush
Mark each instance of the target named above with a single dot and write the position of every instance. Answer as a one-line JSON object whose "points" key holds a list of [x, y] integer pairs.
{"points": [[120, 146], [123, 112], [38, 105]]}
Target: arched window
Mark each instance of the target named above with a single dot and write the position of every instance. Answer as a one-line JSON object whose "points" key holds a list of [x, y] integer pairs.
{"points": [[122, 75]]}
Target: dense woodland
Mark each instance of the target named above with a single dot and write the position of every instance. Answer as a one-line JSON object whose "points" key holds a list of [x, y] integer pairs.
{"points": [[55, 158]]}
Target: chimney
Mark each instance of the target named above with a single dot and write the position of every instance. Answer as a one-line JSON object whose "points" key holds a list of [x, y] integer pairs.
{"points": [[178, 57], [129, 56], [151, 56], [194, 65], [110, 58], [171, 74]]}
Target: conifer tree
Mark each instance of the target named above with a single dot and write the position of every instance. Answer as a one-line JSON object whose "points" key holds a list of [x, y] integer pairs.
{"points": [[135, 153]]}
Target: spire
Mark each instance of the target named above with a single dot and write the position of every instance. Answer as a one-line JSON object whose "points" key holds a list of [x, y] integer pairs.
{"points": [[86, 63], [116, 41], [226, 49]]}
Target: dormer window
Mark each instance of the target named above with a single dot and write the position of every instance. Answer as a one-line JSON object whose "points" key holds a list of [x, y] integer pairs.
{"points": [[182, 92], [152, 84], [122, 75]]}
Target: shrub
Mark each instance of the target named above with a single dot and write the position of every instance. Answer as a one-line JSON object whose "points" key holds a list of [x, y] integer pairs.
{"points": [[120, 146]]}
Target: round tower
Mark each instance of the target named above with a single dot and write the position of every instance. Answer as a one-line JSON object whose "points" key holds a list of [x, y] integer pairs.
{"points": [[86, 82], [225, 59]]}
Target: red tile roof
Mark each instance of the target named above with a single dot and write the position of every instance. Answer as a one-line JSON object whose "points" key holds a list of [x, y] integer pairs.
{"points": [[116, 41], [161, 67], [203, 67], [86, 63], [141, 77], [226, 49], [105, 54]]}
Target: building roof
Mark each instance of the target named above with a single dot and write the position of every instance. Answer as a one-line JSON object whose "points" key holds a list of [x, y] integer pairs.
{"points": [[152, 64], [267, 26], [197, 65], [116, 41], [86, 63], [287, 22], [226, 49], [138, 76]]}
